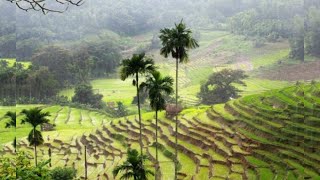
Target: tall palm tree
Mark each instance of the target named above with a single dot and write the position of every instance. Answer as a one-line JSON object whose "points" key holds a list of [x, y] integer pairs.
{"points": [[35, 118], [133, 167], [177, 41], [139, 64], [157, 87], [12, 123]]}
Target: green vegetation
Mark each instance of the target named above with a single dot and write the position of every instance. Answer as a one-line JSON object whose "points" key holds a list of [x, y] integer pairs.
{"points": [[269, 130], [158, 87], [247, 132], [138, 65], [133, 167], [84, 95], [219, 88], [35, 118], [177, 42], [22, 168]]}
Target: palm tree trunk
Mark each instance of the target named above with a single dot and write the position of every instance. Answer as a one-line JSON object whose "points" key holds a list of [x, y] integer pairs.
{"points": [[157, 165], [176, 135], [35, 146], [138, 100]]}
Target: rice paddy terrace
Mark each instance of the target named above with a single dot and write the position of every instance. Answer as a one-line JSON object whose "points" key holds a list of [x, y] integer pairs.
{"points": [[273, 135]]}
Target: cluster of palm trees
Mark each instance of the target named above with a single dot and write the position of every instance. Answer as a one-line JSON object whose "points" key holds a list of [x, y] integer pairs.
{"points": [[176, 42]]}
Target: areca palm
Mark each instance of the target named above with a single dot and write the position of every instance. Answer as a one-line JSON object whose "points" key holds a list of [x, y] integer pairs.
{"points": [[157, 87], [137, 65], [12, 123], [35, 117], [177, 42], [133, 167]]}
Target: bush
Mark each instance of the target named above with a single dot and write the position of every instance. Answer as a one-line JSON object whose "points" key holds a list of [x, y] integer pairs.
{"points": [[220, 86], [84, 95], [60, 173]]}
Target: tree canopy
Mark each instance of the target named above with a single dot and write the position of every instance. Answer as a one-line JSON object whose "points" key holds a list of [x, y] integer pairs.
{"points": [[220, 88]]}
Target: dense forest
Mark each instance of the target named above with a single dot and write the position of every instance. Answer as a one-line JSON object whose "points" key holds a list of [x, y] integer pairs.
{"points": [[266, 20], [87, 42]]}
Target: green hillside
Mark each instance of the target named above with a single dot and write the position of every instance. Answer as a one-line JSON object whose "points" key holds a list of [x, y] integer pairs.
{"points": [[273, 135]]}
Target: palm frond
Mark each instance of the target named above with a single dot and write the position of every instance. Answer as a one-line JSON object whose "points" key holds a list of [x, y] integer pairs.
{"points": [[127, 175], [177, 41], [12, 119], [35, 117], [35, 137], [138, 64]]}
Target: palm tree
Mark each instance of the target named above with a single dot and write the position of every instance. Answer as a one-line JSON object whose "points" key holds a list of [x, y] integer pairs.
{"points": [[133, 166], [177, 41], [157, 87], [138, 64], [12, 123], [35, 117]]}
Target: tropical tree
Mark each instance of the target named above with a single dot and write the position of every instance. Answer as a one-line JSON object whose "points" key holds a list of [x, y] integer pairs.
{"points": [[133, 167], [158, 87], [177, 41], [35, 118], [139, 64], [12, 123], [220, 86]]}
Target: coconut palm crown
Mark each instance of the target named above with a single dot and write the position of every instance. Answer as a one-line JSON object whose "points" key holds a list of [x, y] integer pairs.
{"points": [[157, 87], [133, 167], [177, 41], [137, 65], [35, 117], [12, 123]]}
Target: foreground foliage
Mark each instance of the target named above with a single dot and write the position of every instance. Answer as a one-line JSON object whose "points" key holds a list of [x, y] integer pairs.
{"points": [[21, 168], [133, 167]]}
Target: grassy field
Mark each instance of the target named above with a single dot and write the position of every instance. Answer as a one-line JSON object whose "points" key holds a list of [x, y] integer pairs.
{"points": [[114, 90], [11, 62], [255, 137]]}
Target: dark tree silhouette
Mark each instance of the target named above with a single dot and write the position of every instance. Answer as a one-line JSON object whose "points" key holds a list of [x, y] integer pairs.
{"points": [[12, 123], [133, 167], [158, 87], [177, 41], [220, 86], [35, 117], [138, 64]]}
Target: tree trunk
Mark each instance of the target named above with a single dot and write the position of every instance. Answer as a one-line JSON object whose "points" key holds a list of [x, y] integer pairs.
{"points": [[49, 152], [138, 100], [35, 146], [176, 128], [85, 163], [157, 165]]}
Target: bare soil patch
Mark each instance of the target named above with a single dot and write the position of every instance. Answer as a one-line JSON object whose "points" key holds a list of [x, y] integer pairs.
{"points": [[304, 71]]}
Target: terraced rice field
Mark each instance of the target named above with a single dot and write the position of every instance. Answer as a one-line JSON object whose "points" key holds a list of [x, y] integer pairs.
{"points": [[273, 135]]}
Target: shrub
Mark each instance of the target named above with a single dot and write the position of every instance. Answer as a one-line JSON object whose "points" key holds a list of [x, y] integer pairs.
{"points": [[60, 173], [84, 95]]}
